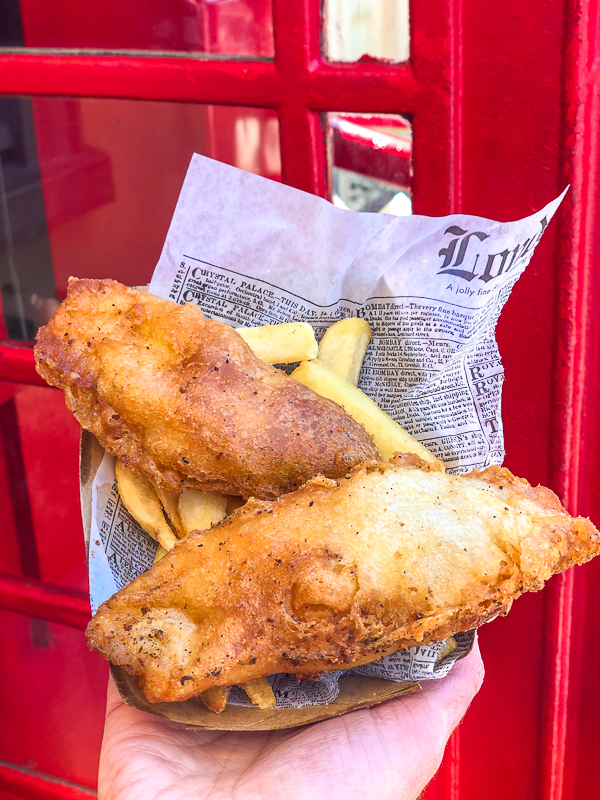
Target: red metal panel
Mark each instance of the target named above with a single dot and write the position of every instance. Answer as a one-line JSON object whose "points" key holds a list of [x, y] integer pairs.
{"points": [[324, 87], [241, 82], [576, 253], [435, 51], [303, 150], [44, 601], [40, 522], [511, 135], [575, 422], [581, 775], [303, 155], [379, 88], [32, 785], [18, 364]]}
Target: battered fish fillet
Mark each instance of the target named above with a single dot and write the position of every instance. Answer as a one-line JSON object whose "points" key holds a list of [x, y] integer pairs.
{"points": [[183, 399], [337, 574]]}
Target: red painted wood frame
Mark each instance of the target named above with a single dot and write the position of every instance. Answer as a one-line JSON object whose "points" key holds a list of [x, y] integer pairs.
{"points": [[504, 106]]}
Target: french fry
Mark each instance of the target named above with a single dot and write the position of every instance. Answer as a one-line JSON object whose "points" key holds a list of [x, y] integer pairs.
{"points": [[344, 346], [215, 699], [199, 510], [282, 344], [389, 437], [449, 645], [140, 499], [170, 504], [260, 693], [160, 552]]}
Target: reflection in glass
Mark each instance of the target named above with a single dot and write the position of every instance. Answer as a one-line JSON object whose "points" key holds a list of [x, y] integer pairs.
{"points": [[371, 162], [231, 27], [41, 522], [375, 28], [88, 188]]}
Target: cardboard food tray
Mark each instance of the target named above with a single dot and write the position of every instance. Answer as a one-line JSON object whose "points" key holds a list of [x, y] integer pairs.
{"points": [[356, 691]]}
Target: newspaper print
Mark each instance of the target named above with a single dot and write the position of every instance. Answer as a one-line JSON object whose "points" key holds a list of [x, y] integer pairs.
{"points": [[251, 252], [117, 542], [433, 366], [419, 663], [290, 693]]}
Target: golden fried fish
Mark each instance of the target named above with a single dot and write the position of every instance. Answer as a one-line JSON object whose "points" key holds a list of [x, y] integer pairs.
{"points": [[183, 400], [337, 574]]}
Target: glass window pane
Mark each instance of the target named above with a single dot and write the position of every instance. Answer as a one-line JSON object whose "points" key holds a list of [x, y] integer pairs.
{"points": [[232, 27], [375, 28], [42, 535], [88, 188], [371, 162]]}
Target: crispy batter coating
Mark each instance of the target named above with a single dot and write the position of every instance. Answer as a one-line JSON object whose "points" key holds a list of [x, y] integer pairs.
{"points": [[337, 574], [183, 399]]}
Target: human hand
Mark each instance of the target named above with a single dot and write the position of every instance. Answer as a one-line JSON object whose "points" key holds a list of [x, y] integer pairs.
{"points": [[390, 751]]}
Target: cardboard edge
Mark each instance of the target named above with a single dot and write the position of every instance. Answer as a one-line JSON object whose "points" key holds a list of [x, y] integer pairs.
{"points": [[91, 454], [356, 692]]}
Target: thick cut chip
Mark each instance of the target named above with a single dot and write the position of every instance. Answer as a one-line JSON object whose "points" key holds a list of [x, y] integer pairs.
{"points": [[140, 499], [338, 574], [282, 344], [199, 510], [389, 437], [448, 646], [170, 504], [215, 699], [260, 693], [343, 347]]}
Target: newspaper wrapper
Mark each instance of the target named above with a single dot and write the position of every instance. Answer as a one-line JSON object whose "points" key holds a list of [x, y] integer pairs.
{"points": [[251, 252]]}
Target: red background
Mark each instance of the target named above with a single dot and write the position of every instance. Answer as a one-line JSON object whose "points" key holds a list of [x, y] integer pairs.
{"points": [[504, 115]]}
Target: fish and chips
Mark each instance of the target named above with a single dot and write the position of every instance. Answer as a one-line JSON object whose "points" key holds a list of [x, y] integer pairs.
{"points": [[300, 528]]}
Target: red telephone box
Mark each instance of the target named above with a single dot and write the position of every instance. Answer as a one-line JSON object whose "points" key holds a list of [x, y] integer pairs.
{"points": [[495, 111]]}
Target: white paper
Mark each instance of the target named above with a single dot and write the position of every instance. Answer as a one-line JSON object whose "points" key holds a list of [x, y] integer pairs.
{"points": [[120, 549], [250, 251]]}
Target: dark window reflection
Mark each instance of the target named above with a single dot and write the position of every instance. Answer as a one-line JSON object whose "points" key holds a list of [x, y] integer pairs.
{"points": [[88, 188], [11, 27], [26, 276]]}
